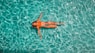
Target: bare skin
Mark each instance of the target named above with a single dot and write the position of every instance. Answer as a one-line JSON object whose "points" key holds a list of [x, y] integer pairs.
{"points": [[39, 24]]}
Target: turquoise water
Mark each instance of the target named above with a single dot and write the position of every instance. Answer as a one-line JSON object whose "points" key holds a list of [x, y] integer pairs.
{"points": [[76, 36]]}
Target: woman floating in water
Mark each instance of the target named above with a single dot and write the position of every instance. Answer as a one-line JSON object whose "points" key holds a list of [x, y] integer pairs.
{"points": [[39, 24]]}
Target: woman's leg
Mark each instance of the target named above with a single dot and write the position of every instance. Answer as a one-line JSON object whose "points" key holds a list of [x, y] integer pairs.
{"points": [[51, 26]]}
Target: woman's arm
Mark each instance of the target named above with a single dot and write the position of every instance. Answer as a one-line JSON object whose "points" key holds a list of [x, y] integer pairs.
{"points": [[39, 17], [39, 32]]}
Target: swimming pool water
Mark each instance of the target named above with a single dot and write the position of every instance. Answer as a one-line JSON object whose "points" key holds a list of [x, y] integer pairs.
{"points": [[76, 36]]}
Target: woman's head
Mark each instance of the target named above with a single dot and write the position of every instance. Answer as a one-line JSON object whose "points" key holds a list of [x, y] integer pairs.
{"points": [[34, 24]]}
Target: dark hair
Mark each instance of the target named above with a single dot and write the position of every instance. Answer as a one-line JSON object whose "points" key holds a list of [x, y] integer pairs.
{"points": [[33, 22]]}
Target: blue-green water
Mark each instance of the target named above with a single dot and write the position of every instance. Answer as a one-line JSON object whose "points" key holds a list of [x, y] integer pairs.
{"points": [[76, 36]]}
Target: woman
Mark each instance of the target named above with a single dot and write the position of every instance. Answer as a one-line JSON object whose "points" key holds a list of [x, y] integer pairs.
{"points": [[39, 24]]}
